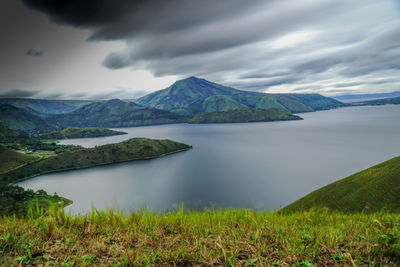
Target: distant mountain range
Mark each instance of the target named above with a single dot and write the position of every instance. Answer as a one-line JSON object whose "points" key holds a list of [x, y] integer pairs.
{"points": [[365, 97], [20, 120], [177, 103], [44, 108], [194, 96], [384, 101]]}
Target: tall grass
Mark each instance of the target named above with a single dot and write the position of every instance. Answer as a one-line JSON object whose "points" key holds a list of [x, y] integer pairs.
{"points": [[236, 237]]}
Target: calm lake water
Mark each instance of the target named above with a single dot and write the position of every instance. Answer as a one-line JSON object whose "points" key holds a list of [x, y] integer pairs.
{"points": [[254, 165]]}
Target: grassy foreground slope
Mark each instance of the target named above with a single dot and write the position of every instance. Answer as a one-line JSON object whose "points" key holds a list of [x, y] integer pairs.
{"points": [[370, 190], [132, 149], [212, 238], [77, 132], [244, 115], [11, 159]]}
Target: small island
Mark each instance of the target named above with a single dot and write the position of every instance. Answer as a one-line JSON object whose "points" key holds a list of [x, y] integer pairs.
{"points": [[244, 115], [78, 132]]}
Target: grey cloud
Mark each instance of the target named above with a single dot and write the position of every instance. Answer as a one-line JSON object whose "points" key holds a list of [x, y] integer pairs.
{"points": [[18, 93], [234, 41], [34, 52]]}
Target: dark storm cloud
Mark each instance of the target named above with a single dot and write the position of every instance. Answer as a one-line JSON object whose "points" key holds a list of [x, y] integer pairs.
{"points": [[249, 44], [34, 52], [18, 93]]}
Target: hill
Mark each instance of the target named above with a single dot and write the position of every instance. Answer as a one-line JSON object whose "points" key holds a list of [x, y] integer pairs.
{"points": [[244, 115], [77, 132], [22, 121], [115, 113], [370, 190], [132, 149], [8, 135], [385, 101], [11, 159], [42, 107], [194, 96]]}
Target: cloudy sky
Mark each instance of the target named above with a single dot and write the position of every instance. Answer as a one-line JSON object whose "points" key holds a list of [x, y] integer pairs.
{"points": [[101, 49]]}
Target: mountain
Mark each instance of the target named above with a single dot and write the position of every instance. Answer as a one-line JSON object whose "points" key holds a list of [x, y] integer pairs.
{"points": [[77, 132], [365, 97], [244, 115], [193, 96], [22, 121], [370, 190], [385, 101], [43, 108], [115, 113]]}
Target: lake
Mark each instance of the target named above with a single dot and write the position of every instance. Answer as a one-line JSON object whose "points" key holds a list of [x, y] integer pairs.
{"points": [[254, 165]]}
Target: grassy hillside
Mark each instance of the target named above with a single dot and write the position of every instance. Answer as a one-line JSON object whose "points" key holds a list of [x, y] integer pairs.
{"points": [[212, 238], [11, 159], [132, 149], [370, 190], [194, 96], [77, 132], [44, 107], [115, 113], [244, 115], [22, 121]]}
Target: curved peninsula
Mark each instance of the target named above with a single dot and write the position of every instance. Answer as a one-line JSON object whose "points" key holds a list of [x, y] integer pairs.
{"points": [[245, 115], [129, 150]]}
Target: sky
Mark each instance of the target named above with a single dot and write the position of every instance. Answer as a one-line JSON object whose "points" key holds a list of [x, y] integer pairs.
{"points": [[103, 49]]}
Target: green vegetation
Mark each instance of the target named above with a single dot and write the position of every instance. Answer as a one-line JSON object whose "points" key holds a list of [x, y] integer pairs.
{"points": [[17, 141], [77, 132], [11, 159], [42, 107], [115, 113], [244, 115], [20, 120], [14, 200], [132, 149], [212, 238], [194, 96], [371, 190]]}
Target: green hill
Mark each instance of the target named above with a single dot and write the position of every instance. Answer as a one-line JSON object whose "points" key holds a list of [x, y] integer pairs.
{"points": [[42, 107], [11, 159], [22, 121], [132, 149], [244, 115], [77, 132], [115, 113], [193, 96], [8, 135], [370, 190]]}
